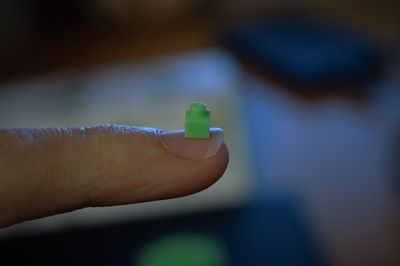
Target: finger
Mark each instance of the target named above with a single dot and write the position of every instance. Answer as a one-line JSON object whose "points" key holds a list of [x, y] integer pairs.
{"points": [[48, 171]]}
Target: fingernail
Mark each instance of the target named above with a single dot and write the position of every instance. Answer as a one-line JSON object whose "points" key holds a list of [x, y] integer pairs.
{"points": [[194, 149]]}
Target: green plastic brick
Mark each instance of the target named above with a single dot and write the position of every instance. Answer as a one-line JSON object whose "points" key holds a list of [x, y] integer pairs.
{"points": [[197, 121]]}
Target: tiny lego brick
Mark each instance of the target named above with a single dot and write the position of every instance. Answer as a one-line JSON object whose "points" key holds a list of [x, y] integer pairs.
{"points": [[197, 121]]}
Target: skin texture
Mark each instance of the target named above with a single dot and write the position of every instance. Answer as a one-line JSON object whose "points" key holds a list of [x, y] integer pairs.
{"points": [[49, 171]]}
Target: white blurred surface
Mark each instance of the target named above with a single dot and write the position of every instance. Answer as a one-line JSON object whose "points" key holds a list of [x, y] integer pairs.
{"points": [[153, 93]]}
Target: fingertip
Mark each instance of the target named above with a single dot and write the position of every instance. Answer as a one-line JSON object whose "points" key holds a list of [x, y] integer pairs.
{"points": [[183, 177], [208, 171], [103, 166]]}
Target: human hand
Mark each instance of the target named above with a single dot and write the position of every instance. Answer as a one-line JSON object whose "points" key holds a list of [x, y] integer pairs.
{"points": [[49, 171]]}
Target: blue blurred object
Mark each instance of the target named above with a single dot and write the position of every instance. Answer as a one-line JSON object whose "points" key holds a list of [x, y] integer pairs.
{"points": [[306, 52]]}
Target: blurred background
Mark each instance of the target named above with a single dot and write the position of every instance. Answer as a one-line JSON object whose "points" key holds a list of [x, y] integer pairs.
{"points": [[307, 93]]}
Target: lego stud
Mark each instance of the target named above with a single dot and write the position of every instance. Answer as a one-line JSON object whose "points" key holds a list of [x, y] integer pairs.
{"points": [[197, 121]]}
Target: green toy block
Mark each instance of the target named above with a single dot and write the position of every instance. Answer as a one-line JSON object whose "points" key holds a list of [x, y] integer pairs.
{"points": [[197, 121]]}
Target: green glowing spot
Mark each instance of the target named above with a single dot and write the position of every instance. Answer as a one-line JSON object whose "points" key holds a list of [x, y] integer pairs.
{"points": [[184, 249]]}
